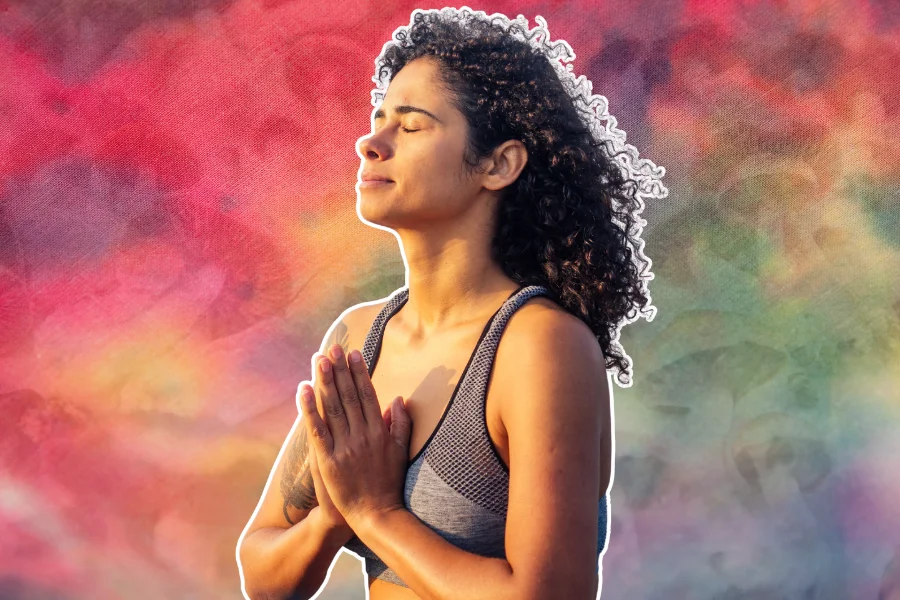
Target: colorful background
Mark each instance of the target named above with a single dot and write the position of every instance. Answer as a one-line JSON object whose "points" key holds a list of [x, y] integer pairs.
{"points": [[178, 230]]}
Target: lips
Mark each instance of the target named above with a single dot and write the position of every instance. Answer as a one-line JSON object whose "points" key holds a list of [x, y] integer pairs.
{"points": [[373, 177], [373, 183]]}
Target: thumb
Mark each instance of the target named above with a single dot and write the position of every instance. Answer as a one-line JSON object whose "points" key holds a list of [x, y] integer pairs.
{"points": [[386, 417], [401, 424]]}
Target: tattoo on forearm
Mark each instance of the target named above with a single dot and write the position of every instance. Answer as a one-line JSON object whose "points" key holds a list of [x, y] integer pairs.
{"points": [[297, 483]]}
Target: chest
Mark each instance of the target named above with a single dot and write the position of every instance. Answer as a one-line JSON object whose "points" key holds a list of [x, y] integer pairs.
{"points": [[428, 377]]}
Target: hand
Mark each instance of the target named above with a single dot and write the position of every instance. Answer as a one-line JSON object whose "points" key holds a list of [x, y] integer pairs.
{"points": [[361, 453], [332, 517], [334, 520]]}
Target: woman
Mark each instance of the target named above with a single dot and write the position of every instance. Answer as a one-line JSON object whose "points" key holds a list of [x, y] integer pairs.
{"points": [[516, 226]]}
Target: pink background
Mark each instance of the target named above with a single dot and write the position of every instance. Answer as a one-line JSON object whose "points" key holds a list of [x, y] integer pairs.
{"points": [[178, 230]]}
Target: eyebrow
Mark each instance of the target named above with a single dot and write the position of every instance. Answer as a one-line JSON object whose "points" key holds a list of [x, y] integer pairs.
{"points": [[405, 109]]}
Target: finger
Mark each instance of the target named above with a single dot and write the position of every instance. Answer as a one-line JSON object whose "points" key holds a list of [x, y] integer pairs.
{"points": [[386, 417], [318, 486], [401, 424], [317, 432], [316, 380], [368, 399], [333, 410], [346, 389]]}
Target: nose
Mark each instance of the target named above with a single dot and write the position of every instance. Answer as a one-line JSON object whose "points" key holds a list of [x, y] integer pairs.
{"points": [[371, 147]]}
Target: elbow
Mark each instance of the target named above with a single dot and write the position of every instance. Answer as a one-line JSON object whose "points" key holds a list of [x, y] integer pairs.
{"points": [[565, 591], [248, 568], [254, 592], [268, 595], [264, 595], [260, 574], [253, 571], [560, 578], [549, 588]]}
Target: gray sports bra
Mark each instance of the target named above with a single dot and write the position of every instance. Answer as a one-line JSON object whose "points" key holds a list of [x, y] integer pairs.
{"points": [[457, 484]]}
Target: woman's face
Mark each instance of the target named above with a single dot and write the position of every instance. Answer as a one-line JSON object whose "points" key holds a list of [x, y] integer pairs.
{"points": [[421, 153]]}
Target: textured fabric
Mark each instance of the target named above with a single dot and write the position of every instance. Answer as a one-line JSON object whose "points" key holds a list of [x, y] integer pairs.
{"points": [[457, 484]]}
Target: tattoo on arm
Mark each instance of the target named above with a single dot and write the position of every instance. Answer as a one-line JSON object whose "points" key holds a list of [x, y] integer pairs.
{"points": [[296, 482]]}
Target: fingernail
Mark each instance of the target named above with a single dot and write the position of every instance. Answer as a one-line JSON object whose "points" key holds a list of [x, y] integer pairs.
{"points": [[337, 352], [310, 403], [355, 356], [325, 364]]}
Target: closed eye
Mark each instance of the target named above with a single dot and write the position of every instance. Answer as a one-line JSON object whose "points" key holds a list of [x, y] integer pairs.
{"points": [[408, 130]]}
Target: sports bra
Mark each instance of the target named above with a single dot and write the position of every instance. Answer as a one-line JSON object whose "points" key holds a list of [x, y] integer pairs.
{"points": [[458, 484]]}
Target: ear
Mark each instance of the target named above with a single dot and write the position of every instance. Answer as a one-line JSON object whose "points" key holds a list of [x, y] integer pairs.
{"points": [[509, 159]]}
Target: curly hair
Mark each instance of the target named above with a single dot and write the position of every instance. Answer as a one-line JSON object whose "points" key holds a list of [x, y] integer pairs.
{"points": [[568, 221]]}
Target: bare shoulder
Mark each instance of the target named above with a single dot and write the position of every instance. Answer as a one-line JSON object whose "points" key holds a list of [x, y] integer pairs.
{"points": [[544, 342], [547, 328], [350, 328]]}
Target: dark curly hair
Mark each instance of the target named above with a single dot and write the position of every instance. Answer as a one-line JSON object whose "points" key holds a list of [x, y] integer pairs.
{"points": [[567, 222]]}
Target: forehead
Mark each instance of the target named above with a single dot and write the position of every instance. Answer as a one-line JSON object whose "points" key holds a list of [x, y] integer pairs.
{"points": [[415, 84]]}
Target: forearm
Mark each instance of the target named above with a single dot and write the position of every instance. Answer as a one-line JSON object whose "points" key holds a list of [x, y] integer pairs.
{"points": [[288, 563], [431, 566]]}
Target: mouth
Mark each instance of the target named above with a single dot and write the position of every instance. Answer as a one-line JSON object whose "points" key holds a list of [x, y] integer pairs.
{"points": [[374, 183]]}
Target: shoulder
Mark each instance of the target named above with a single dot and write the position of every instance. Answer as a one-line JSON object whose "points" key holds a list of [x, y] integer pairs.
{"points": [[350, 328], [543, 329], [546, 347], [361, 316]]}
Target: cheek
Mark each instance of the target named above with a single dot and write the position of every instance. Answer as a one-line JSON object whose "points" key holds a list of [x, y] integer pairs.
{"points": [[435, 172], [426, 176], [438, 169]]}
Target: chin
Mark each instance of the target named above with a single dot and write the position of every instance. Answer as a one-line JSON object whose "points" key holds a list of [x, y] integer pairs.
{"points": [[374, 211]]}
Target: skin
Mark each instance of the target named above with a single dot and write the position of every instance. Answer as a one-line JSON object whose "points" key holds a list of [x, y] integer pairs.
{"points": [[444, 217], [430, 202], [550, 365], [296, 481]]}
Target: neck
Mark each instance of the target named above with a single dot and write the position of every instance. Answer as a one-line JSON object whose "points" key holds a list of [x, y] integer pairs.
{"points": [[452, 278]]}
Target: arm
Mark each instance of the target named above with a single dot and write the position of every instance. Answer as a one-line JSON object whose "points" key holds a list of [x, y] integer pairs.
{"points": [[288, 562], [287, 548], [431, 566], [554, 430]]}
